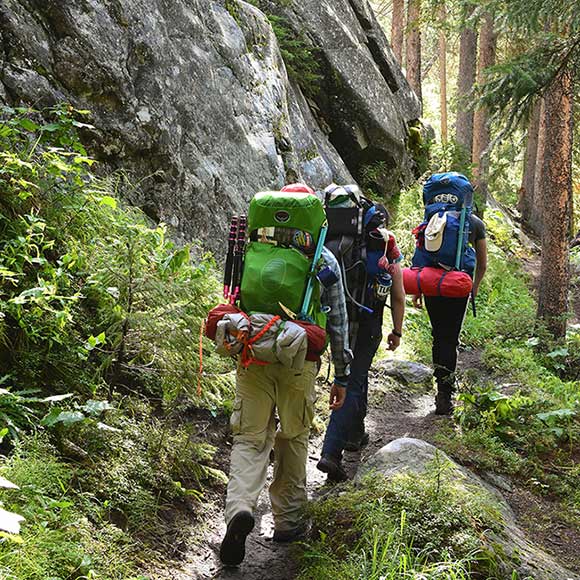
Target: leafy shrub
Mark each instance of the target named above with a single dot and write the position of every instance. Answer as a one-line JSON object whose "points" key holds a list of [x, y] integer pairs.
{"points": [[416, 525], [99, 347], [93, 293], [300, 57]]}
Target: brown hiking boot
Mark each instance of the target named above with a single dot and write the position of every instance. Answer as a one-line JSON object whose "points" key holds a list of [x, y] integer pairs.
{"points": [[233, 548]]}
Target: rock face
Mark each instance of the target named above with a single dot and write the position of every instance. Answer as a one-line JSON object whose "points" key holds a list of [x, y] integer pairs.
{"points": [[192, 96], [405, 371], [515, 551]]}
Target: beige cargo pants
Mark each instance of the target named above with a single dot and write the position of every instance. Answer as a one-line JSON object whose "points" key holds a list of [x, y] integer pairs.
{"points": [[260, 390]]}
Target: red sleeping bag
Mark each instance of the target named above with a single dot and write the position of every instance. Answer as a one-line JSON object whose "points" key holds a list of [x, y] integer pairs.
{"points": [[437, 282]]}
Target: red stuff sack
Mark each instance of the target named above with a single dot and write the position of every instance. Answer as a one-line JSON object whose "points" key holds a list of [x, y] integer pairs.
{"points": [[316, 339], [215, 315], [437, 282]]}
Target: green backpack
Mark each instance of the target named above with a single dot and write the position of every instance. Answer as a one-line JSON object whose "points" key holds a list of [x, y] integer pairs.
{"points": [[286, 234]]}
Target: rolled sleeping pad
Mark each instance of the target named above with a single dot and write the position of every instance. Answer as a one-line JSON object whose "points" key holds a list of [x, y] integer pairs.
{"points": [[437, 282]]}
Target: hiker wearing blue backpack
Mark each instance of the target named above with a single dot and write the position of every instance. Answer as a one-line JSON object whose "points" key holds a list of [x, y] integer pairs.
{"points": [[448, 266], [370, 263]]}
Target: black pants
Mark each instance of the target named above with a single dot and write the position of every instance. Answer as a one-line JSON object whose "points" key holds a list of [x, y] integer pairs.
{"points": [[446, 315]]}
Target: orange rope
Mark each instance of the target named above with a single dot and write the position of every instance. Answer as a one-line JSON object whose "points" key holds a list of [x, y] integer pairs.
{"points": [[247, 356]]}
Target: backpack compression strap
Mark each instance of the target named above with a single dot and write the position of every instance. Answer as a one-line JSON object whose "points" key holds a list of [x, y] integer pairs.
{"points": [[309, 287], [459, 256]]}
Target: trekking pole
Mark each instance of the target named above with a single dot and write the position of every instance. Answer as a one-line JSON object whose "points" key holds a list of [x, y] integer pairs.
{"points": [[473, 304], [230, 257], [238, 259], [310, 285]]}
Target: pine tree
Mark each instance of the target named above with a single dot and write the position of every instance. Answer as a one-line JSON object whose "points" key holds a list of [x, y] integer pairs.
{"points": [[526, 200], [556, 192], [398, 29], [536, 213], [481, 131], [465, 81], [414, 46], [443, 72]]}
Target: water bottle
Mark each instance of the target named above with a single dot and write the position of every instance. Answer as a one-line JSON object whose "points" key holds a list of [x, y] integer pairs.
{"points": [[382, 286]]}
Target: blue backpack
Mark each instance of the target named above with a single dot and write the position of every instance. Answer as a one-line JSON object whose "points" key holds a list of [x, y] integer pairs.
{"points": [[443, 236]]}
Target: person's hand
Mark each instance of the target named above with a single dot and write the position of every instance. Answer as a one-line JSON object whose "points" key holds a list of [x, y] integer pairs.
{"points": [[394, 341], [337, 396], [418, 300]]}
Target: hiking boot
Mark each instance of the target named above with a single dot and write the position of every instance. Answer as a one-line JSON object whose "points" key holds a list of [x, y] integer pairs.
{"points": [[287, 536], [443, 404], [332, 468], [233, 548], [357, 444]]}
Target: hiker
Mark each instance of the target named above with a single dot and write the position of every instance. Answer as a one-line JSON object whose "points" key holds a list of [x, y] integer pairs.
{"points": [[448, 196], [279, 224], [371, 272]]}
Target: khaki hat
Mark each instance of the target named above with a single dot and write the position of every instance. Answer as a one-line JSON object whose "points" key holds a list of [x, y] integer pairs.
{"points": [[434, 232]]}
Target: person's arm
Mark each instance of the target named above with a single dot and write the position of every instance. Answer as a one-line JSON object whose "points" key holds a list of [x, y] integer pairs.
{"points": [[397, 307], [480, 263], [333, 298]]}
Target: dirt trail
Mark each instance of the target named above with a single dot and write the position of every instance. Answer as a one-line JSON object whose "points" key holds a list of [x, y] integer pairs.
{"points": [[392, 414]]}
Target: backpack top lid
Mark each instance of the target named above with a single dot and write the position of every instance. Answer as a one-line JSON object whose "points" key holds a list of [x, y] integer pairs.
{"points": [[296, 210], [454, 189]]}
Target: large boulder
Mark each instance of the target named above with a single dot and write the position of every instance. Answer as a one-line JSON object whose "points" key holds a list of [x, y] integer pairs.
{"points": [[192, 97], [365, 99], [513, 549]]}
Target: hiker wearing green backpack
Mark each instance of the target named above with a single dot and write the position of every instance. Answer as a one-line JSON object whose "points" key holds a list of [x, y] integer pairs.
{"points": [[448, 266], [290, 295], [370, 265]]}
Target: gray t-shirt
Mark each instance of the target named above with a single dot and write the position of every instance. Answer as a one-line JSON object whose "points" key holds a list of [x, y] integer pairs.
{"points": [[476, 230]]}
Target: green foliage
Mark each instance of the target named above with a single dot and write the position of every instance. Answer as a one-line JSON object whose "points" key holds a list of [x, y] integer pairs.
{"points": [[92, 292], [101, 313], [300, 57], [427, 526], [58, 539], [420, 144], [451, 156]]}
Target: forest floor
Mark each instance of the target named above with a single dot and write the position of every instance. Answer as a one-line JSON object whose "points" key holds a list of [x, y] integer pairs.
{"points": [[394, 411]]}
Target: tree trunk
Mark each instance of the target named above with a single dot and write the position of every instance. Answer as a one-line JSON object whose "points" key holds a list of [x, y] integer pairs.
{"points": [[481, 134], [414, 46], [536, 210], [443, 73], [526, 200], [398, 29], [465, 80], [556, 190]]}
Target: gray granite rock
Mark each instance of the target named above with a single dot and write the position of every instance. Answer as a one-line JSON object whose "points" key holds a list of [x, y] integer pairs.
{"points": [[404, 371], [193, 98], [514, 550]]}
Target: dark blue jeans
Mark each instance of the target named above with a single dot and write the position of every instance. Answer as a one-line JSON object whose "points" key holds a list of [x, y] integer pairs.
{"points": [[347, 423]]}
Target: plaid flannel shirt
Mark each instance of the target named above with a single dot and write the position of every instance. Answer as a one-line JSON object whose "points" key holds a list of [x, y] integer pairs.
{"points": [[333, 298]]}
